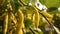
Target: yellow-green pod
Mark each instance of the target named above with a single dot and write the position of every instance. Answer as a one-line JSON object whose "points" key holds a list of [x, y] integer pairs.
{"points": [[36, 16], [29, 16], [21, 18], [36, 20], [24, 31], [20, 32], [20, 23], [47, 14], [13, 18], [5, 25]]}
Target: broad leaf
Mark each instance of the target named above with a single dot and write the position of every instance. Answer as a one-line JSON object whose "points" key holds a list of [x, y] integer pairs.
{"points": [[52, 10], [51, 3], [15, 5]]}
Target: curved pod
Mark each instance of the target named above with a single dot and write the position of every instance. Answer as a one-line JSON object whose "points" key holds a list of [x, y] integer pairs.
{"points": [[20, 23], [35, 16], [5, 26]]}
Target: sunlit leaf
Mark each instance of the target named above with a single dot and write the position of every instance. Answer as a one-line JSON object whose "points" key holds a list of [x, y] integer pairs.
{"points": [[51, 3], [52, 10]]}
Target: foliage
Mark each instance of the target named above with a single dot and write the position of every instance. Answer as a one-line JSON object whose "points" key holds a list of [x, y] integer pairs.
{"points": [[18, 17]]}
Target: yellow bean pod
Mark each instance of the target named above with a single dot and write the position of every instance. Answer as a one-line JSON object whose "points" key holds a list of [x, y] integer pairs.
{"points": [[47, 14], [13, 18], [5, 25], [20, 31], [20, 23], [35, 17], [29, 16]]}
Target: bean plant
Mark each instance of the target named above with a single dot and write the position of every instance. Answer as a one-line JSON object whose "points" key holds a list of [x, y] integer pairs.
{"points": [[29, 16]]}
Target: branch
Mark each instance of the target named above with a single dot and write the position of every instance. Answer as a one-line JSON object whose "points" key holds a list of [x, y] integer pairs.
{"points": [[51, 25], [46, 19], [22, 3], [32, 31]]}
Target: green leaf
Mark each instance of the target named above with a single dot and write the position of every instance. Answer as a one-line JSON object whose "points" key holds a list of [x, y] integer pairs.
{"points": [[28, 23], [29, 10], [28, 32], [3, 6], [26, 9], [15, 5], [25, 1], [51, 3], [5, 2], [42, 1], [52, 10]]}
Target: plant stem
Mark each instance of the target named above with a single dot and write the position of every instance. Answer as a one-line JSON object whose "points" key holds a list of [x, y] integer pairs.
{"points": [[22, 2], [32, 31], [46, 19], [51, 25]]}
